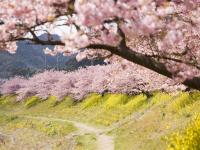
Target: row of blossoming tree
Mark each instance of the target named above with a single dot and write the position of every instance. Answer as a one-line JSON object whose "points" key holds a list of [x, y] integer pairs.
{"points": [[113, 78]]}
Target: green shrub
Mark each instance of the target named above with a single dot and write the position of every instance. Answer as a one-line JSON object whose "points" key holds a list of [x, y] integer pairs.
{"points": [[136, 102], [195, 95], [65, 103], [51, 101], [181, 101], [160, 97], [106, 96], [91, 100], [31, 101], [189, 139], [8, 100], [115, 100]]}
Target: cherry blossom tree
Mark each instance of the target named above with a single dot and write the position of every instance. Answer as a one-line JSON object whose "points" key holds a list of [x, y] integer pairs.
{"points": [[161, 35], [113, 78]]}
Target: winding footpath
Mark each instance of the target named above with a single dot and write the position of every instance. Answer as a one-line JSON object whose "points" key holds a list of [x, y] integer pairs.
{"points": [[104, 142]]}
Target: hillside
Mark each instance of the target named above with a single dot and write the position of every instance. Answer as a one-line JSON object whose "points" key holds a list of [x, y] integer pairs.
{"points": [[114, 121], [99, 75], [30, 58]]}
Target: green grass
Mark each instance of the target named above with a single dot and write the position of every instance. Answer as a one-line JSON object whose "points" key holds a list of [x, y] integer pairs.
{"points": [[6, 118], [25, 139], [136, 102], [51, 101], [189, 139], [115, 100], [160, 97], [86, 142], [7, 101], [31, 101], [92, 100], [108, 117], [50, 128], [65, 103], [183, 100], [195, 95], [149, 129], [148, 120]]}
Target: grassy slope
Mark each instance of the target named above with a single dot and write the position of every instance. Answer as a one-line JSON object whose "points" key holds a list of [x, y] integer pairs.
{"points": [[135, 122]]}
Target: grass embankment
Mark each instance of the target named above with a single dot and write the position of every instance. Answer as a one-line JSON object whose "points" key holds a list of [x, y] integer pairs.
{"points": [[135, 122]]}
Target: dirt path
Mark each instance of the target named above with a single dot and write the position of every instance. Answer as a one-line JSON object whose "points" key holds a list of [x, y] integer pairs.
{"points": [[104, 142], [5, 137]]}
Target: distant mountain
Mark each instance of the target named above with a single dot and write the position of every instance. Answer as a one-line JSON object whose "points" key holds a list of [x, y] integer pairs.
{"points": [[72, 64], [30, 58]]}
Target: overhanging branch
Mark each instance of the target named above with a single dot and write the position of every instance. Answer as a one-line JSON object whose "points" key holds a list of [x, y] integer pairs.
{"points": [[145, 61]]}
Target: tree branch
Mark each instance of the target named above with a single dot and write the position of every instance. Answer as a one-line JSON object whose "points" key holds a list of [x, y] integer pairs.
{"points": [[175, 60], [145, 61]]}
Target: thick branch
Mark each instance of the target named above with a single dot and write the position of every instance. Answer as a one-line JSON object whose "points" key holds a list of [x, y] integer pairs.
{"points": [[175, 60], [145, 61]]}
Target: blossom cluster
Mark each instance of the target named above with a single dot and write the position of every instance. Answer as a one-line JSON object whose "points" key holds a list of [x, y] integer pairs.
{"points": [[161, 28]]}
